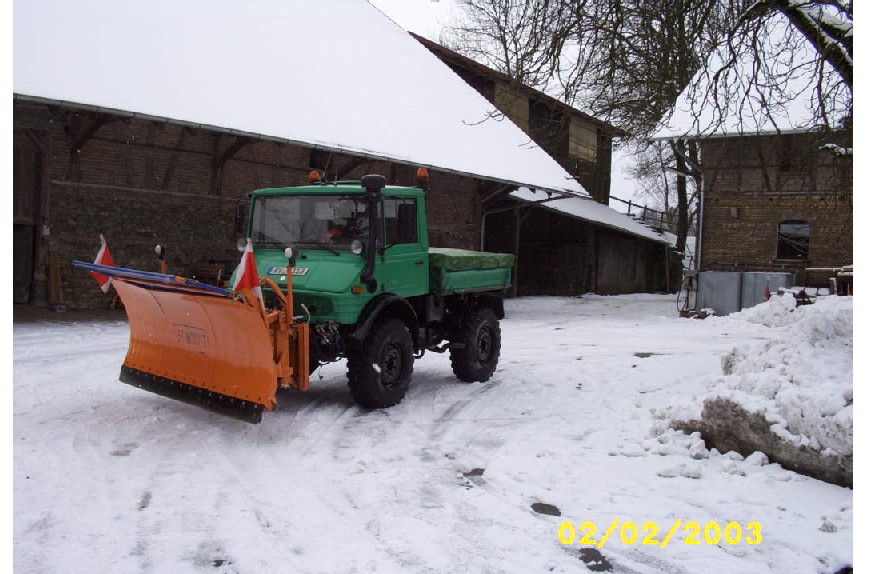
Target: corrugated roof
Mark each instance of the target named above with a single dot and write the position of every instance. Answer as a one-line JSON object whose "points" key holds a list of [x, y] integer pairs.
{"points": [[336, 74]]}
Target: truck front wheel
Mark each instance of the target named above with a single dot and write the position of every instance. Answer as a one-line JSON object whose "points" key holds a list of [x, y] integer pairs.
{"points": [[475, 345], [379, 373]]}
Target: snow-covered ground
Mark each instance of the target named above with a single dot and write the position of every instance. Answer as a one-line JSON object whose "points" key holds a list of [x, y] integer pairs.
{"points": [[108, 478]]}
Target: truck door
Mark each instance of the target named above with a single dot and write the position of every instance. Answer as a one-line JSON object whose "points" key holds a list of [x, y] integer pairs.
{"points": [[404, 267]]}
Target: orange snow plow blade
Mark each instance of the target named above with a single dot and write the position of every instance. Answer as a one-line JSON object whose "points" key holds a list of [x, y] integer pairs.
{"points": [[194, 343]]}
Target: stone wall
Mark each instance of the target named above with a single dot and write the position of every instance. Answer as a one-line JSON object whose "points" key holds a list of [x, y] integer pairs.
{"points": [[141, 182], [754, 183]]}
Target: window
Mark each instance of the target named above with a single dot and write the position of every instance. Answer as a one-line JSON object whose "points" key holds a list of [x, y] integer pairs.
{"points": [[796, 153], [401, 220], [317, 221], [793, 240]]}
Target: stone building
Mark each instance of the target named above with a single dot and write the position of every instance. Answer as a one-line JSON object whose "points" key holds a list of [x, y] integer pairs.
{"points": [[776, 202]]}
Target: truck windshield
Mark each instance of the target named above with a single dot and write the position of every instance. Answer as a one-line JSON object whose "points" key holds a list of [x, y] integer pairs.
{"points": [[329, 222]]}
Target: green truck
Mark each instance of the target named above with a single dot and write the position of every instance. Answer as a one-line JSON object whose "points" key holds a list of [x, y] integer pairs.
{"points": [[373, 290], [365, 286]]}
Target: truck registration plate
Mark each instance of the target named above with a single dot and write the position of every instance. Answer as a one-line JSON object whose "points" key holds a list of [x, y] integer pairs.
{"points": [[296, 271]]}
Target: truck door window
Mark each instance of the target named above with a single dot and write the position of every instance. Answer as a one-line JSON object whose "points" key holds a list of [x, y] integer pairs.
{"points": [[401, 220]]}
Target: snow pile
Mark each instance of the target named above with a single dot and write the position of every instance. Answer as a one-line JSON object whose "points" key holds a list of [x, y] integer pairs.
{"points": [[798, 382], [802, 382]]}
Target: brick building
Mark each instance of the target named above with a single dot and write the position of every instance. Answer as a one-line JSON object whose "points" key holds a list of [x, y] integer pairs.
{"points": [[80, 172], [776, 202]]}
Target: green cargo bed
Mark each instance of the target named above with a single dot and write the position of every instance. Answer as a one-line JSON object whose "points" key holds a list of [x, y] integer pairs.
{"points": [[463, 271]]}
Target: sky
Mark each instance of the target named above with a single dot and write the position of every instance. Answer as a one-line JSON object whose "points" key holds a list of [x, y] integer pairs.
{"points": [[427, 17]]}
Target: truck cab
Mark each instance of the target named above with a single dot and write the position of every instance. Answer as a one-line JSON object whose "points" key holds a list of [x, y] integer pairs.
{"points": [[331, 227]]}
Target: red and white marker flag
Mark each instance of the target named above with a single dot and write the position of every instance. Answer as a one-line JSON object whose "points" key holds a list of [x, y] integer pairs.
{"points": [[104, 257], [248, 274]]}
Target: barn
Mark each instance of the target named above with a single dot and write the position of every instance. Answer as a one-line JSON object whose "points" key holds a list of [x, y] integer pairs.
{"points": [[154, 133]]}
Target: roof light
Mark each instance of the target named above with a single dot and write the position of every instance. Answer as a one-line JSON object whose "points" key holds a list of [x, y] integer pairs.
{"points": [[422, 174], [314, 177]]}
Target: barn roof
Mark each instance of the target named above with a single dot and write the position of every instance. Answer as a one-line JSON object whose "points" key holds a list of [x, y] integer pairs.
{"points": [[592, 211], [334, 74]]}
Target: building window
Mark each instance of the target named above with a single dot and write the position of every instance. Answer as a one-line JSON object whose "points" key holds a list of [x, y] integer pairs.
{"points": [[793, 240]]}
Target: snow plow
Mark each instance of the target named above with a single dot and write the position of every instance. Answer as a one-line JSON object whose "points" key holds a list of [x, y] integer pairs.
{"points": [[367, 288], [195, 343]]}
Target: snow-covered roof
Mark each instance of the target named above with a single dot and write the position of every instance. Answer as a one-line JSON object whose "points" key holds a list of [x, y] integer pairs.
{"points": [[790, 107], [592, 211], [335, 73]]}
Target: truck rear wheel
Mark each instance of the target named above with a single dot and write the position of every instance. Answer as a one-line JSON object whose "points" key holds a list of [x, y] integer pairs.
{"points": [[475, 345], [379, 373]]}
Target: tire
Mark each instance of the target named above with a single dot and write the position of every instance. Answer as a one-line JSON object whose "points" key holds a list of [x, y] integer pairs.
{"points": [[475, 346], [390, 348]]}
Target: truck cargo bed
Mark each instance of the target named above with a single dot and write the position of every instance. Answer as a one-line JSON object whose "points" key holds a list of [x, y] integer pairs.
{"points": [[463, 271]]}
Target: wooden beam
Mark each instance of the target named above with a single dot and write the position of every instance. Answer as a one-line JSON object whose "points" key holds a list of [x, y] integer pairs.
{"points": [[220, 159], [40, 213], [352, 164], [495, 192], [35, 141], [98, 122], [235, 146], [174, 159], [80, 138]]}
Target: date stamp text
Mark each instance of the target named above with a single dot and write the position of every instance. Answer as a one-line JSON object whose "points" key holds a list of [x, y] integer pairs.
{"points": [[650, 533]]}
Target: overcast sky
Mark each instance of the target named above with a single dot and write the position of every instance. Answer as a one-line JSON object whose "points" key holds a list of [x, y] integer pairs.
{"points": [[425, 17]]}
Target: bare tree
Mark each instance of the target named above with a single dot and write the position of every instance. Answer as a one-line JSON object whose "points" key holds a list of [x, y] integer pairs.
{"points": [[779, 57], [625, 61], [628, 61]]}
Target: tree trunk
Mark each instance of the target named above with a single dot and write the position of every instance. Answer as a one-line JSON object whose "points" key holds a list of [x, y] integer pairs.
{"points": [[683, 224]]}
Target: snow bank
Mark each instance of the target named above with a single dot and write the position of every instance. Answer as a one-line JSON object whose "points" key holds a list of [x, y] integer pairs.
{"points": [[796, 386]]}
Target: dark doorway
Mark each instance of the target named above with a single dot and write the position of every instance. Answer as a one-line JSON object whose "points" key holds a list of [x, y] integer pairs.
{"points": [[26, 170]]}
